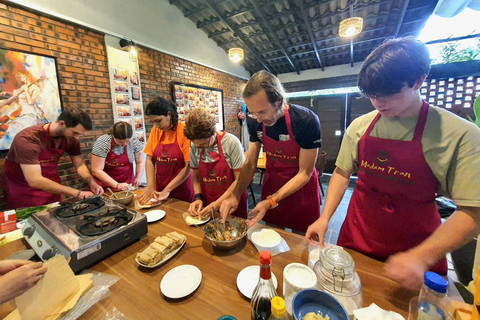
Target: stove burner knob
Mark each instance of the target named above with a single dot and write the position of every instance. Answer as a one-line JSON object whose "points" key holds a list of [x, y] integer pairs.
{"points": [[50, 253], [29, 231]]}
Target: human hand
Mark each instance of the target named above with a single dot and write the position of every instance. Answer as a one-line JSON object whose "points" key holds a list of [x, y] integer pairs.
{"points": [[123, 186], [19, 280], [96, 188], [316, 232], [207, 211], [257, 213], [195, 207], [136, 183], [161, 195], [148, 194], [9, 265], [407, 269], [84, 194], [228, 207]]}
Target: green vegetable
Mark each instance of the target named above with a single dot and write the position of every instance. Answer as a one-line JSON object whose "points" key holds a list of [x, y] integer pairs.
{"points": [[24, 213]]}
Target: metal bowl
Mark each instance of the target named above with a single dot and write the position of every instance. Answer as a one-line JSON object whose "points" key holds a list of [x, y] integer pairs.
{"points": [[122, 198], [237, 224]]}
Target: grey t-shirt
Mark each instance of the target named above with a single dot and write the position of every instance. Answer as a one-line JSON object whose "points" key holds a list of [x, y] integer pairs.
{"points": [[451, 146], [232, 150], [102, 146]]}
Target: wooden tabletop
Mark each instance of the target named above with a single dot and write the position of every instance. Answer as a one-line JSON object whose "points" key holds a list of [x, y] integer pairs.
{"points": [[137, 294]]}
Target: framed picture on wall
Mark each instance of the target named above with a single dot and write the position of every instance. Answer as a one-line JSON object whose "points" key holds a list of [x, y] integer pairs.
{"points": [[29, 92], [189, 96]]}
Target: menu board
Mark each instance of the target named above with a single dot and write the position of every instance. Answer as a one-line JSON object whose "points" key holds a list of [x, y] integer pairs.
{"points": [[127, 100], [188, 97]]}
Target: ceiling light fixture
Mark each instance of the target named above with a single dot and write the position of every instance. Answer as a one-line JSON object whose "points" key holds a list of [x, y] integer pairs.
{"points": [[236, 54], [131, 48], [350, 27]]}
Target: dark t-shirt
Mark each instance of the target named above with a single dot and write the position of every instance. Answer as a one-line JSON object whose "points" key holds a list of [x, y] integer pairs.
{"points": [[305, 127], [29, 142]]}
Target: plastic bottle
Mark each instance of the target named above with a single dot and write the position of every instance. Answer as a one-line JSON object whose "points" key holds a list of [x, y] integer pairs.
{"points": [[433, 301], [278, 309], [264, 291]]}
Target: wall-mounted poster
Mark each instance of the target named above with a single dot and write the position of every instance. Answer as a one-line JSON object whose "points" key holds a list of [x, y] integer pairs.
{"points": [[119, 74], [122, 99], [29, 92], [134, 78], [188, 97], [121, 86], [135, 93]]}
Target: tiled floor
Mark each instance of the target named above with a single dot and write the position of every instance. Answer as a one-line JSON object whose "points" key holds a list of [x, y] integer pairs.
{"points": [[337, 219]]}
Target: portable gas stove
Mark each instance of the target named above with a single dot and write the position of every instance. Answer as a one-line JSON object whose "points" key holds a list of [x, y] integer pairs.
{"points": [[85, 231]]}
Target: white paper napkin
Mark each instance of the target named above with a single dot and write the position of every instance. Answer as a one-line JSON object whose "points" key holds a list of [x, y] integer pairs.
{"points": [[374, 312]]}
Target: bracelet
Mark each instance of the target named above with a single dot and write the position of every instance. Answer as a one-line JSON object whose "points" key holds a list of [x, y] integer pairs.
{"points": [[78, 195], [198, 196], [273, 203], [117, 185]]}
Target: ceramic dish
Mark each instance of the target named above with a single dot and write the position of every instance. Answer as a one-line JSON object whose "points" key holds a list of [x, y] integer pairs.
{"points": [[266, 238], [181, 281], [155, 215], [164, 260], [247, 280]]}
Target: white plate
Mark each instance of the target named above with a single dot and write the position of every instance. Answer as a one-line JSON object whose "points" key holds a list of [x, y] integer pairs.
{"points": [[247, 280], [181, 281], [155, 215], [266, 238], [197, 222], [165, 259]]}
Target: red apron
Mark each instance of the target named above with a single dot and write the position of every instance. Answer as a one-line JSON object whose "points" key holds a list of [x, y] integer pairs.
{"points": [[19, 193], [393, 206], [118, 167], [169, 162], [216, 177], [301, 208]]}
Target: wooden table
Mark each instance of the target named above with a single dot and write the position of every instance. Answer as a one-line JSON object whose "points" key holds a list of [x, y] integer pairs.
{"points": [[137, 293]]}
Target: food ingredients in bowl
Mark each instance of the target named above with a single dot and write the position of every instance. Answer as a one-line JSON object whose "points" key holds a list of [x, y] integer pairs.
{"points": [[314, 316], [229, 231]]}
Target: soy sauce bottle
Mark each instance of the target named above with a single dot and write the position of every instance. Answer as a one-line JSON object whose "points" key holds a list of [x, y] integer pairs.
{"points": [[264, 291]]}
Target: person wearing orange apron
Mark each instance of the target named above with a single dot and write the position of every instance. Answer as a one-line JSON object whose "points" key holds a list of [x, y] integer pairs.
{"points": [[291, 138], [168, 154], [216, 160], [404, 152], [31, 167], [113, 155]]}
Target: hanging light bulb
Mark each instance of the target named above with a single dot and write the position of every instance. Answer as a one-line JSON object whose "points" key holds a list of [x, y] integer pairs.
{"points": [[236, 54], [350, 27], [131, 48]]}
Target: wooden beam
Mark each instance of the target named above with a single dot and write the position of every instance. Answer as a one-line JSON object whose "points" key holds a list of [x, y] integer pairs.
{"points": [[303, 12]]}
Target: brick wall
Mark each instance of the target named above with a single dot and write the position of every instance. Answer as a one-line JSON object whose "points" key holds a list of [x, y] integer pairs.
{"points": [[84, 78]]}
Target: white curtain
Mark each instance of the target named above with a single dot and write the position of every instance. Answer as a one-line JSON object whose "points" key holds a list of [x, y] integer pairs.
{"points": [[450, 8]]}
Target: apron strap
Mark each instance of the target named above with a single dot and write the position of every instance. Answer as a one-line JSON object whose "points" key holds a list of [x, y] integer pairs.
{"points": [[220, 149], [421, 122], [372, 124], [288, 122]]}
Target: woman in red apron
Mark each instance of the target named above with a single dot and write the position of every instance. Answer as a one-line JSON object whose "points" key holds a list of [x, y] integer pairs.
{"points": [[168, 173], [116, 171], [19, 193], [301, 208], [213, 178], [389, 212]]}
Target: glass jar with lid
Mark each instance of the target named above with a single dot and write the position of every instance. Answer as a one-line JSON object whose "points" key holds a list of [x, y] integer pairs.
{"points": [[336, 275]]}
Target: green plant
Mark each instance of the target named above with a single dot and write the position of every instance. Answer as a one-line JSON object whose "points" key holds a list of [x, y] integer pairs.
{"points": [[476, 111], [449, 53]]}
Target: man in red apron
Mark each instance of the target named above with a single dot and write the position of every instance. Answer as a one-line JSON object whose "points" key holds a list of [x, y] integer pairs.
{"points": [[291, 138], [216, 160], [392, 213], [31, 167], [167, 149]]}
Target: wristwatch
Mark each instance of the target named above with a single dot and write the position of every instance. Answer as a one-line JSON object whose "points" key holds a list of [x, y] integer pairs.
{"points": [[272, 201], [198, 196]]}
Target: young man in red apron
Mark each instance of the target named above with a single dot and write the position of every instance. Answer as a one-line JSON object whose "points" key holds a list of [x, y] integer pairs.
{"points": [[290, 192], [392, 213], [31, 168], [213, 175], [167, 169]]}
